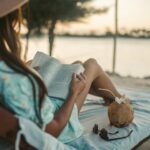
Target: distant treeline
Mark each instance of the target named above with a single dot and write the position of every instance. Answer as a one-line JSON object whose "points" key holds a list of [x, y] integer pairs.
{"points": [[136, 33]]}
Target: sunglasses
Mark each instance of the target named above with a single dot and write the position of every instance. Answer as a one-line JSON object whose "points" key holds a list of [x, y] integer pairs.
{"points": [[103, 133]]}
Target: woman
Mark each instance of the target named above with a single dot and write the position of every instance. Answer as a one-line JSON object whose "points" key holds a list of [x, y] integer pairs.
{"points": [[25, 94]]}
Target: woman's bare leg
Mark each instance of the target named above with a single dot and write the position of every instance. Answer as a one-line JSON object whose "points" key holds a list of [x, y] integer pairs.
{"points": [[91, 71], [104, 82], [96, 78]]}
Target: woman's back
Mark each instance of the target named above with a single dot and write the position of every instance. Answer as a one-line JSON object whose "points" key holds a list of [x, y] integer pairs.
{"points": [[17, 95]]}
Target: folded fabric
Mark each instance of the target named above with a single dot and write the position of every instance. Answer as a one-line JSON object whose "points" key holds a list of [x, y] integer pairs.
{"points": [[37, 138]]}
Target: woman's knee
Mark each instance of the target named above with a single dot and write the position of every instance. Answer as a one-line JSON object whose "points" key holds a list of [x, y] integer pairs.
{"points": [[78, 62], [91, 62], [91, 68]]}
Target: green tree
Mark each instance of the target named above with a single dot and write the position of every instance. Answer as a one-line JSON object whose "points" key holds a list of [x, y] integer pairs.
{"points": [[46, 13]]}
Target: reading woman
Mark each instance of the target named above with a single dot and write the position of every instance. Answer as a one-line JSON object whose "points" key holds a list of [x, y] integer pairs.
{"points": [[24, 93]]}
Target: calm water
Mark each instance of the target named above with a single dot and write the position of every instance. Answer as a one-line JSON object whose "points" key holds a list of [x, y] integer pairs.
{"points": [[133, 55]]}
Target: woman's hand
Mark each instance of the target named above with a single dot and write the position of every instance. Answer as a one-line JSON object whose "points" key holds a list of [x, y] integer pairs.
{"points": [[78, 83]]}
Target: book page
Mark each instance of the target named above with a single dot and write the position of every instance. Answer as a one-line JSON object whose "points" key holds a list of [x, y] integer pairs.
{"points": [[61, 82], [56, 76], [48, 66]]}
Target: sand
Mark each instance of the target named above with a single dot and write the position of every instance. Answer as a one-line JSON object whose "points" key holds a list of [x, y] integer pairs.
{"points": [[138, 84]]}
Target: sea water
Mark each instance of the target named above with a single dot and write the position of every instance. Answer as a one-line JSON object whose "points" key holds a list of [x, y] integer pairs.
{"points": [[133, 55]]}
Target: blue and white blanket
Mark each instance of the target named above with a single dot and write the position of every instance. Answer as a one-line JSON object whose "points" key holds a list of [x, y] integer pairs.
{"points": [[93, 112]]}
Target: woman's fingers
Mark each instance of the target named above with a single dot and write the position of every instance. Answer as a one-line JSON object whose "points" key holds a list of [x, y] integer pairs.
{"points": [[83, 75], [80, 77], [76, 77], [78, 83], [73, 75]]}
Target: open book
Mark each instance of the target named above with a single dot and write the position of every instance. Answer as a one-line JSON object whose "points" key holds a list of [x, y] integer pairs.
{"points": [[56, 76]]}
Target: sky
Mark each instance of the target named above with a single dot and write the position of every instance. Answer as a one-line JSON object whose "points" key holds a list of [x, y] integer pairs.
{"points": [[132, 14]]}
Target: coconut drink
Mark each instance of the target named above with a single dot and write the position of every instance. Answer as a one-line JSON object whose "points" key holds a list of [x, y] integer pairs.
{"points": [[120, 112]]}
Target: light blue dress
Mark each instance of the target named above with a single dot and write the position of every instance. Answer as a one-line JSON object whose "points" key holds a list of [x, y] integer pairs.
{"points": [[16, 94]]}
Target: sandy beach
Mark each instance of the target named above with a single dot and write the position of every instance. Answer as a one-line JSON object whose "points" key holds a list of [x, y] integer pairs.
{"points": [[137, 84]]}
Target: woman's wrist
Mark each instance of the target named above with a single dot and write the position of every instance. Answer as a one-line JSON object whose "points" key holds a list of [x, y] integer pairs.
{"points": [[73, 95]]}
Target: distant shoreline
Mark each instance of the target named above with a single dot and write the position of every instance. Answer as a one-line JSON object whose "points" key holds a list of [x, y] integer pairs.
{"points": [[103, 36], [89, 36]]}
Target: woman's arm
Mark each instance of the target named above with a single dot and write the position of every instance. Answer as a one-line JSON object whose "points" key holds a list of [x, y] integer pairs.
{"points": [[62, 117]]}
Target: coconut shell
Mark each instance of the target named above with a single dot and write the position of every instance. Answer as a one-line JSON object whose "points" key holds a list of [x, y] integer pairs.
{"points": [[120, 115]]}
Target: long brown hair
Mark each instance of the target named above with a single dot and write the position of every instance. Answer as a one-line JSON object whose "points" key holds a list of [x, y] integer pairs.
{"points": [[10, 52]]}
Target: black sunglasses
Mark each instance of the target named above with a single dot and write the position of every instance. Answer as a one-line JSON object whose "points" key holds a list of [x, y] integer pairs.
{"points": [[103, 133]]}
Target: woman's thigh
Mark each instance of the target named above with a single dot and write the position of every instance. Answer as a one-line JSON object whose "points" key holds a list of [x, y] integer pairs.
{"points": [[91, 71]]}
